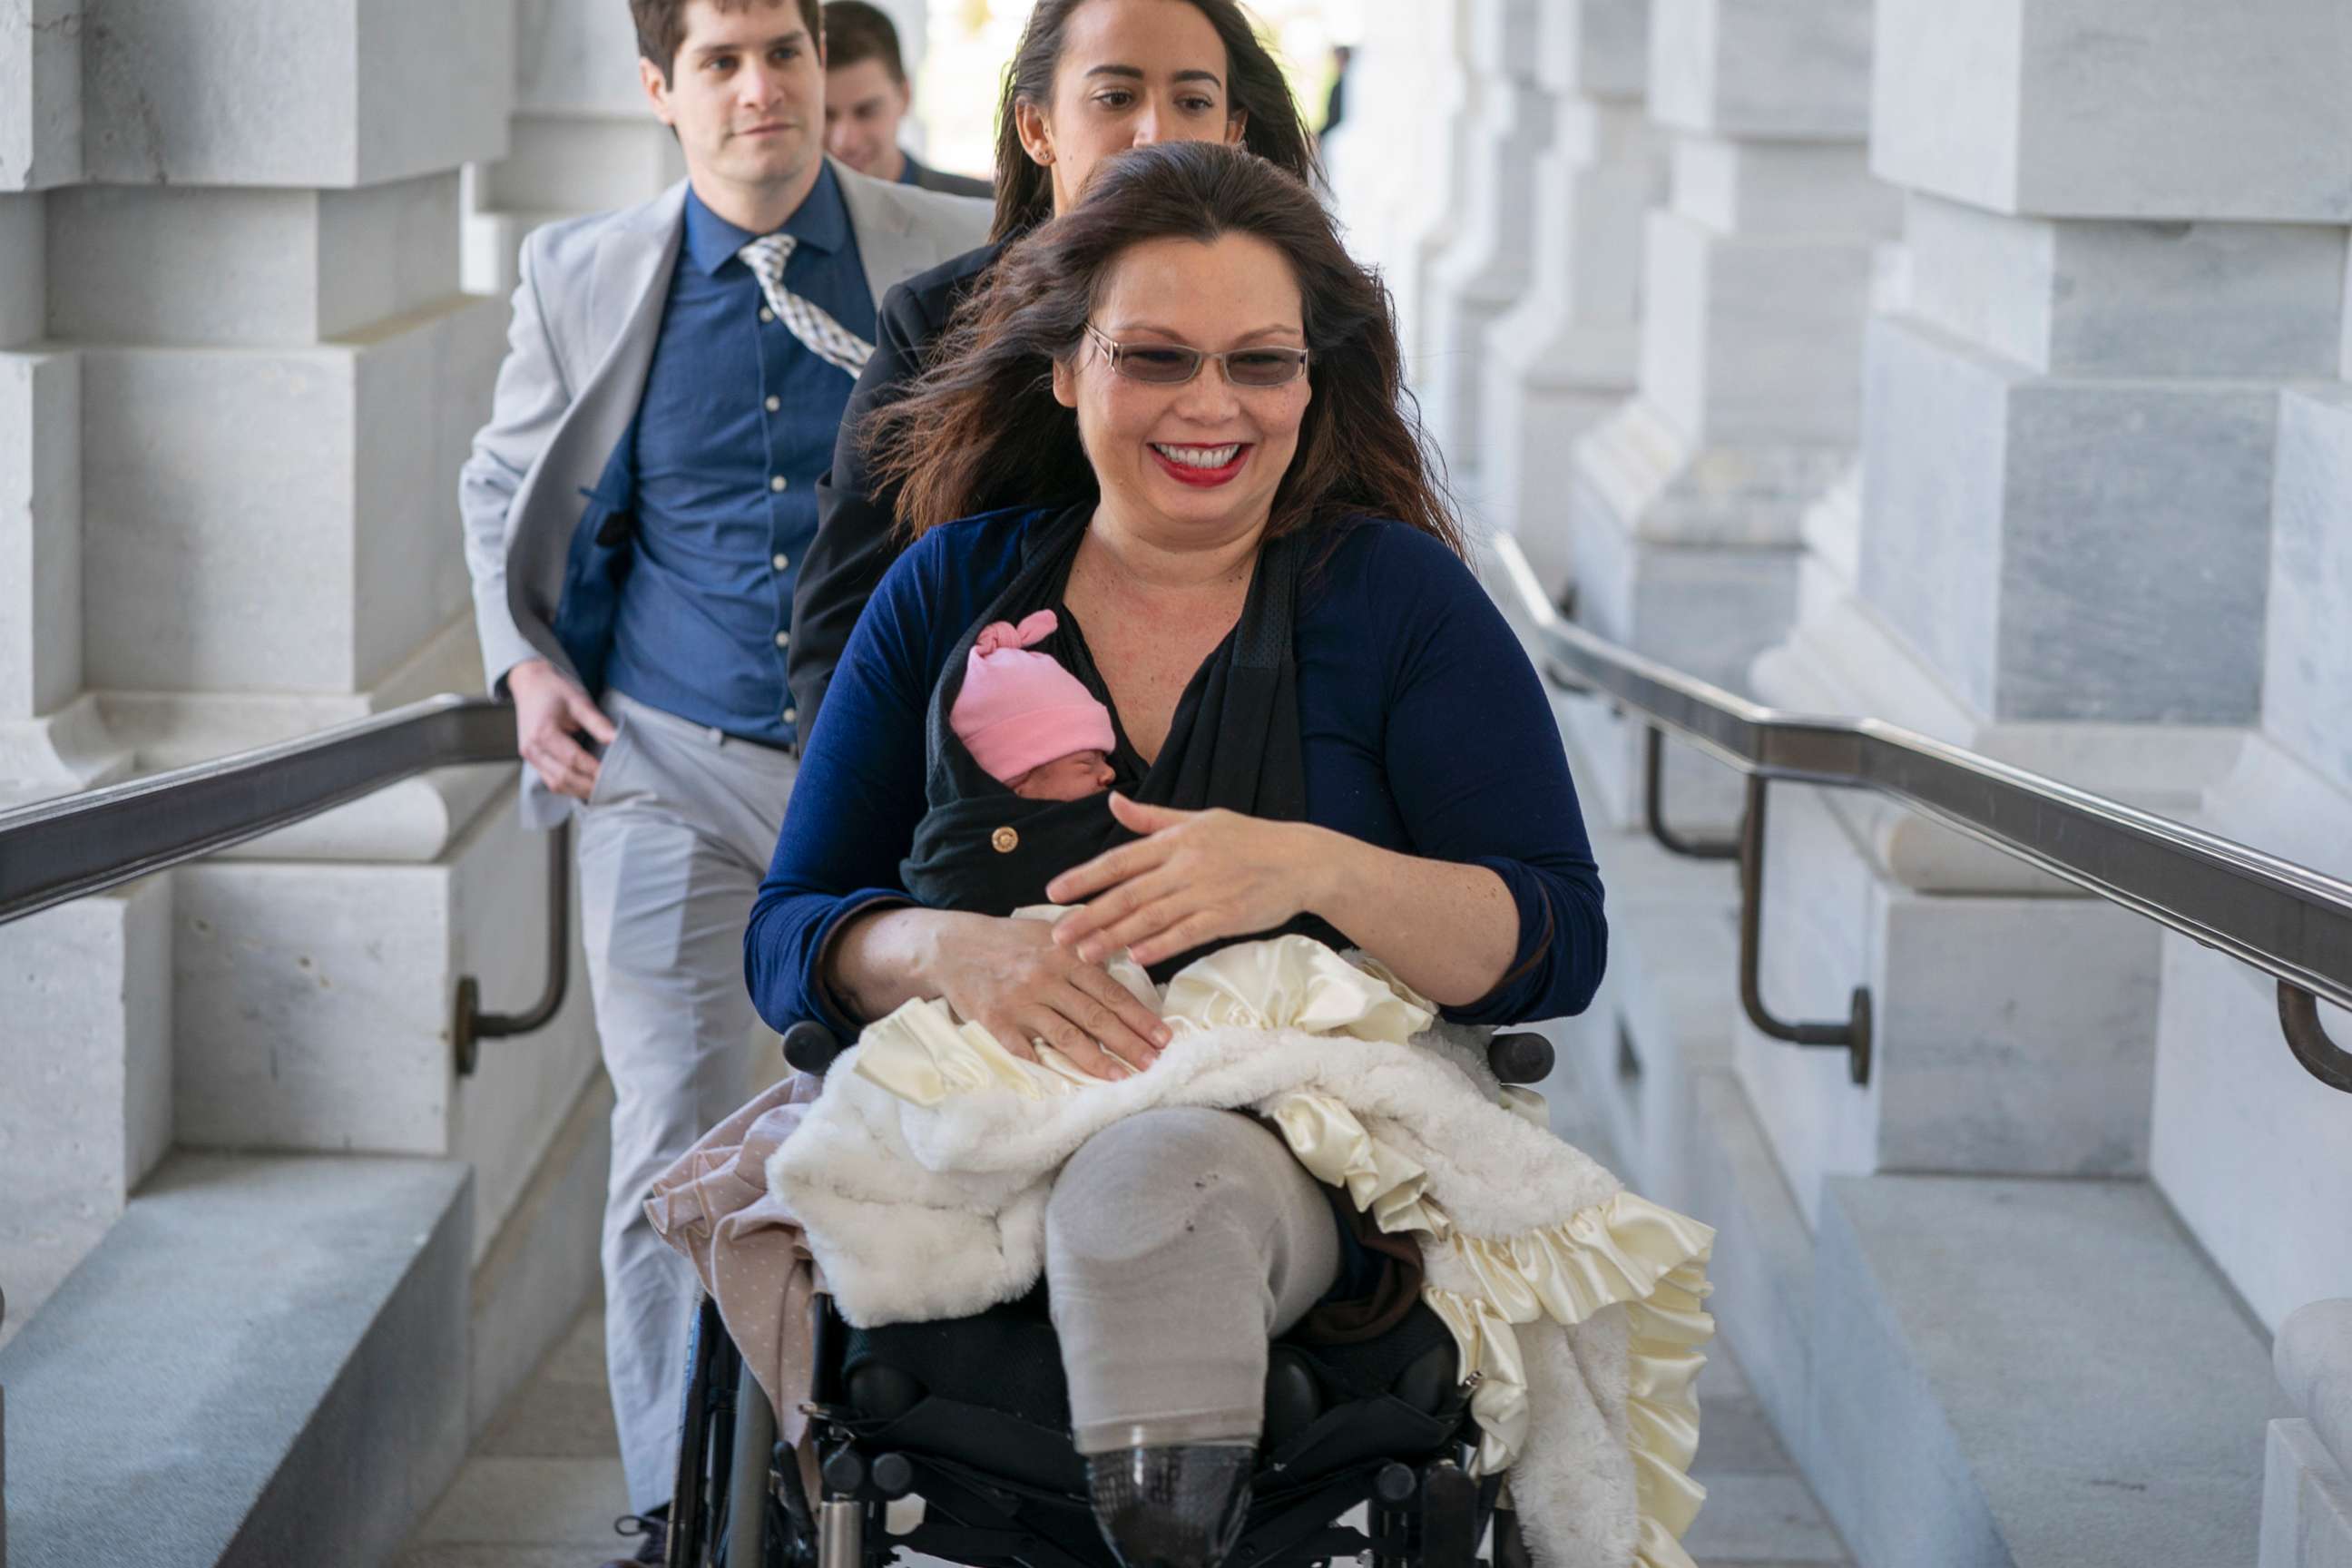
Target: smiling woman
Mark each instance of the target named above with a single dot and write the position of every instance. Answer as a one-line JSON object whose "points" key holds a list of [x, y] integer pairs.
{"points": [[1320, 728]]}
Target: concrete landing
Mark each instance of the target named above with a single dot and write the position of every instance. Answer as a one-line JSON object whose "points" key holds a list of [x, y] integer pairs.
{"points": [[2020, 1374], [263, 1363]]}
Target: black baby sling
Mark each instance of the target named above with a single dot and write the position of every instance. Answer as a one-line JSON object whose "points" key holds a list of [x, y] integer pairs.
{"points": [[1232, 744]]}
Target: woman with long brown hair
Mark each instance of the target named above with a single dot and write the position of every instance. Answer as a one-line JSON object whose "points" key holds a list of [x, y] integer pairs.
{"points": [[1322, 725], [1090, 78]]}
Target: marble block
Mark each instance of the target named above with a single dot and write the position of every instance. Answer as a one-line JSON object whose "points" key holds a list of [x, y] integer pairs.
{"points": [[279, 519], [2032, 536], [1600, 47], [2313, 1358], [576, 55], [582, 164], [1774, 188], [40, 532], [87, 1057], [1753, 339], [293, 92], [2127, 109], [2175, 300], [2247, 1145], [2307, 660], [158, 266], [2035, 1058], [40, 94], [24, 273], [1484, 272], [2307, 1502], [1797, 68], [313, 1006]]}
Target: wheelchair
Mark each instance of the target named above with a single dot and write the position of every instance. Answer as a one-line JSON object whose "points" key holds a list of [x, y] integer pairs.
{"points": [[952, 1440]]}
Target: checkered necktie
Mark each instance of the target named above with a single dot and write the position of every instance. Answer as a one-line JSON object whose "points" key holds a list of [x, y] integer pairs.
{"points": [[826, 338]]}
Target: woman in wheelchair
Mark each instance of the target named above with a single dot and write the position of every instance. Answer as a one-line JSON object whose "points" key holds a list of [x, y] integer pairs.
{"points": [[1318, 726]]}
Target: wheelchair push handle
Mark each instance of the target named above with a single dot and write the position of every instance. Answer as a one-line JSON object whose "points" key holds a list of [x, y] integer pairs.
{"points": [[1522, 1056]]}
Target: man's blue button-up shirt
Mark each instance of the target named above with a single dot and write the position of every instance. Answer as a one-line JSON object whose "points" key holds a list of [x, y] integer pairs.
{"points": [[736, 426]]}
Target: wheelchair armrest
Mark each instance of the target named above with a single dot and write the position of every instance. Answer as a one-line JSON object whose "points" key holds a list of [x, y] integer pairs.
{"points": [[810, 1047], [1520, 1058]]}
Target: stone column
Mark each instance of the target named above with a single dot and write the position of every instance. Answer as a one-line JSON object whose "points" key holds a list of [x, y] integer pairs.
{"points": [[1484, 270], [1373, 158], [1567, 353], [242, 380], [1435, 78], [2125, 235], [580, 140], [1684, 504]]}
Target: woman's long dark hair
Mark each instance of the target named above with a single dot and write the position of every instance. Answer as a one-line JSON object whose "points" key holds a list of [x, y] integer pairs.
{"points": [[982, 428], [1274, 131]]}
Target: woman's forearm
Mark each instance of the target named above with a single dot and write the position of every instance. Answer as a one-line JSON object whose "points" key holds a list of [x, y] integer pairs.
{"points": [[1448, 931], [881, 960]]}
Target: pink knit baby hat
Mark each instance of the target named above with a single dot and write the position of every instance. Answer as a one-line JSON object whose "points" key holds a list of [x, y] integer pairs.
{"points": [[1020, 710]]}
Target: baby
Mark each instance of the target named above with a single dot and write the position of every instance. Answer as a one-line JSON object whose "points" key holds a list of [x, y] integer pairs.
{"points": [[1028, 722]]}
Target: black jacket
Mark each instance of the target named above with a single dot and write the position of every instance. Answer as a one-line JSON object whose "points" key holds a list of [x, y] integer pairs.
{"points": [[854, 543], [932, 179]]}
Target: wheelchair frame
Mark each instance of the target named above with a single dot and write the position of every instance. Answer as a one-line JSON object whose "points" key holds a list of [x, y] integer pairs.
{"points": [[1432, 1515]]}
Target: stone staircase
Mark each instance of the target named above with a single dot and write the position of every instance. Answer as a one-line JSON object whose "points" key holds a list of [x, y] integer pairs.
{"points": [[1972, 1371]]}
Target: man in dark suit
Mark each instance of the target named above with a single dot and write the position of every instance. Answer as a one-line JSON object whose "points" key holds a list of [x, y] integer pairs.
{"points": [[866, 95]]}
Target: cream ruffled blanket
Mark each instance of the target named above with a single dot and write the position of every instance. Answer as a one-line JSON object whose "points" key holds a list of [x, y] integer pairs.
{"points": [[920, 1174]]}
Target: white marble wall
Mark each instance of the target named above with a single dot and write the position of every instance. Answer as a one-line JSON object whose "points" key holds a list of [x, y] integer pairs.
{"points": [[238, 374], [2100, 495], [1685, 503], [1568, 352], [1487, 265]]}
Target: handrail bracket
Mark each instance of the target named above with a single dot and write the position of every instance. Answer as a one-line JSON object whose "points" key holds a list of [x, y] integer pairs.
{"points": [[2321, 1057], [1852, 1036], [468, 1025], [1653, 808]]}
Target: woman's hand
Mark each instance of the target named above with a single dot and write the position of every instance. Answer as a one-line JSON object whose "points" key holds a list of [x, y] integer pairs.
{"points": [[1196, 876], [1010, 978]]}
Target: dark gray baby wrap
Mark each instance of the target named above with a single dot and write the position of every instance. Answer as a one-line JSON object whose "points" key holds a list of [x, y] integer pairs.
{"points": [[1234, 743]]}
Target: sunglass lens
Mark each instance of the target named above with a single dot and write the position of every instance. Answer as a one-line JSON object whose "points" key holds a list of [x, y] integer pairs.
{"points": [[1265, 369], [1163, 365]]}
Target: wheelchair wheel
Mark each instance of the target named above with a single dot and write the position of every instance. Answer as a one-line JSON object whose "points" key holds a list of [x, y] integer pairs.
{"points": [[732, 1505]]}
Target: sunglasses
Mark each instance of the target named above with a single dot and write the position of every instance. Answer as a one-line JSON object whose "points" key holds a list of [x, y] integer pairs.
{"points": [[1166, 364]]}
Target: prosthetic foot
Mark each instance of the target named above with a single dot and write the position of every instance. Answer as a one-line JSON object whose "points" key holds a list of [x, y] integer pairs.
{"points": [[1175, 1507]]}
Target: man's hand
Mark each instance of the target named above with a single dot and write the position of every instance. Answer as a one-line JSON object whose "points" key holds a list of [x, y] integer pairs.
{"points": [[550, 708]]}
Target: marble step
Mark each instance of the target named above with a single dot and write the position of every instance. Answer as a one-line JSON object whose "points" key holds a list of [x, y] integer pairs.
{"points": [[264, 1361], [2031, 1373]]}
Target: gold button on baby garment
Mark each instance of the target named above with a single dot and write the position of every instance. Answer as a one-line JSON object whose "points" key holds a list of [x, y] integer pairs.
{"points": [[1005, 840]]}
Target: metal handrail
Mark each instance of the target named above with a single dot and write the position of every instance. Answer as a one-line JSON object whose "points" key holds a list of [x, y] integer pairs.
{"points": [[78, 845], [2291, 922]]}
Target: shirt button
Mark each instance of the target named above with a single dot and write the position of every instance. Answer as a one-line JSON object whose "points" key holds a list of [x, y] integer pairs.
{"points": [[784, 639], [792, 715], [1004, 840], [780, 561], [777, 483], [766, 314], [774, 404]]}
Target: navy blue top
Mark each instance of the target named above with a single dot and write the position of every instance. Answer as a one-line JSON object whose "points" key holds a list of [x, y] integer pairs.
{"points": [[732, 403], [1425, 732]]}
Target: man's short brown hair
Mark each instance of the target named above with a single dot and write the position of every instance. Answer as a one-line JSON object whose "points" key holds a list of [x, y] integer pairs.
{"points": [[855, 32], [661, 26]]}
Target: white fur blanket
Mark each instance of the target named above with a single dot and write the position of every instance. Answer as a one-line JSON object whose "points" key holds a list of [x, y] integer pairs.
{"points": [[920, 1174]]}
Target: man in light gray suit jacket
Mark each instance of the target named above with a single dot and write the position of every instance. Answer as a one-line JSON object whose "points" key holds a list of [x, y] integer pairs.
{"points": [[635, 512]]}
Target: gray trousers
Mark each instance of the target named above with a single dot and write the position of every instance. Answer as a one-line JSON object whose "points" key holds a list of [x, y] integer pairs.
{"points": [[1177, 1243], [673, 843]]}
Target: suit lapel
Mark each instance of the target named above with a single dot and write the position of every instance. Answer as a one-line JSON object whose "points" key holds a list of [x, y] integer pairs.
{"points": [[886, 242], [628, 286]]}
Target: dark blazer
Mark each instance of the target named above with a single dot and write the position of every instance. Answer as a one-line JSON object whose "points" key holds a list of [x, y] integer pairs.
{"points": [[921, 173], [854, 543]]}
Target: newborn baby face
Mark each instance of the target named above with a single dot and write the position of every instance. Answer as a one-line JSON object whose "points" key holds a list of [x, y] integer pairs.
{"points": [[1073, 777]]}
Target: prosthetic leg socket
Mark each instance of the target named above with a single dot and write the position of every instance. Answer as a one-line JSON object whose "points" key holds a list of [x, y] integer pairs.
{"points": [[1180, 1506]]}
